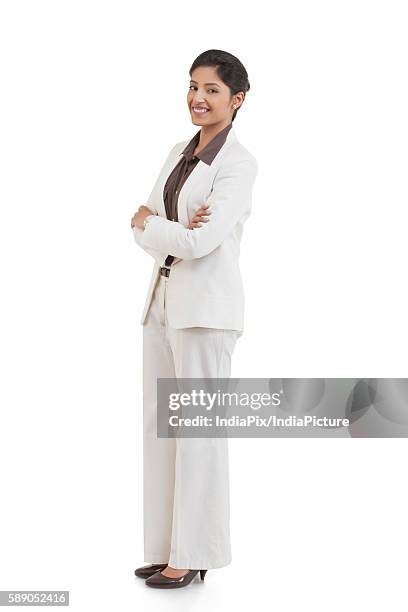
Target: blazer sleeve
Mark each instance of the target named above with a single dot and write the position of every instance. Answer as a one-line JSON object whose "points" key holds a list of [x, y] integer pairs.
{"points": [[230, 199], [156, 253]]}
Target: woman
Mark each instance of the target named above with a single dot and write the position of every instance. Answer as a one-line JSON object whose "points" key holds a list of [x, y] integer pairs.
{"points": [[193, 315]]}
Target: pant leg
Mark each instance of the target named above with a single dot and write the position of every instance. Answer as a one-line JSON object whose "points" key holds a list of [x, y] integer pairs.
{"points": [[158, 453], [201, 511]]}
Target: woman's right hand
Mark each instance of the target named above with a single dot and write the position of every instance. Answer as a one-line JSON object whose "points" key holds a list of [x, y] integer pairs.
{"points": [[200, 216]]}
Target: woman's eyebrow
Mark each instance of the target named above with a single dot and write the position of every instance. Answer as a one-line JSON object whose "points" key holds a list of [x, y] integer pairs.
{"points": [[205, 83]]}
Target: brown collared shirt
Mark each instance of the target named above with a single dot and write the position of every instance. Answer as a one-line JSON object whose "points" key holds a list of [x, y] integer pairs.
{"points": [[184, 168]]}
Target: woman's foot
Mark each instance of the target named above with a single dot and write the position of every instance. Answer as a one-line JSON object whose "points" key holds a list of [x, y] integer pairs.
{"points": [[172, 572], [148, 570], [159, 580]]}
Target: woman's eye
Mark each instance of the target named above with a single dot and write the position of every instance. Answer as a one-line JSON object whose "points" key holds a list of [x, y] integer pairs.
{"points": [[193, 87]]}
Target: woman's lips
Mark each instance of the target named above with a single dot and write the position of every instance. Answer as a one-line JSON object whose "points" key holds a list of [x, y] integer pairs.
{"points": [[200, 113]]}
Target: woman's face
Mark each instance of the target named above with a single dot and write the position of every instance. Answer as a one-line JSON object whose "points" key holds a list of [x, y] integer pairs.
{"points": [[207, 91]]}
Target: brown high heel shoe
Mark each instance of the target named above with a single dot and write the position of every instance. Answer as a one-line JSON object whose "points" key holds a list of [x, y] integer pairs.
{"points": [[159, 581], [148, 570]]}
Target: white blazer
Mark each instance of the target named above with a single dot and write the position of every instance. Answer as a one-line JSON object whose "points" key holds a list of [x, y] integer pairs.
{"points": [[204, 287]]}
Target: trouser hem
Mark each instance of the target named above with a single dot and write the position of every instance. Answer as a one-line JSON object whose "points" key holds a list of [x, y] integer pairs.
{"points": [[194, 563], [155, 558]]}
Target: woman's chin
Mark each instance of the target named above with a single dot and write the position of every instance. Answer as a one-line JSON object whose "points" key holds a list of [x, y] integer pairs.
{"points": [[199, 121]]}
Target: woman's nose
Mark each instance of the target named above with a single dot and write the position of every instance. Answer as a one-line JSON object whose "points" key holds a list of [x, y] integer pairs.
{"points": [[198, 97]]}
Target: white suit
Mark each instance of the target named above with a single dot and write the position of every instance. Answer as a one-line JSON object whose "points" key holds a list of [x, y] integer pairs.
{"points": [[191, 322], [206, 286]]}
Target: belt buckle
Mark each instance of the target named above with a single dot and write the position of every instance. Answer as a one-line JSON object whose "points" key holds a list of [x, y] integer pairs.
{"points": [[164, 271]]}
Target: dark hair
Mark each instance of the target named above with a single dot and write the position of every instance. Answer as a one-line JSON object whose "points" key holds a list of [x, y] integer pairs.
{"points": [[229, 69]]}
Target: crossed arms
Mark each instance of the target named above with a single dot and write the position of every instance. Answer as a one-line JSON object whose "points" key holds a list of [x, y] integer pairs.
{"points": [[229, 201]]}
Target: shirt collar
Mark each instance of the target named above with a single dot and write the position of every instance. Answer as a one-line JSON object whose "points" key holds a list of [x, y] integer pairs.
{"points": [[210, 150]]}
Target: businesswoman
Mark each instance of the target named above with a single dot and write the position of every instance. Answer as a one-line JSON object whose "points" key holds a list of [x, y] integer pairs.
{"points": [[192, 225]]}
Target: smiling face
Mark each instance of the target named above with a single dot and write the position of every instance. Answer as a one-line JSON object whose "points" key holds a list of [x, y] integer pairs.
{"points": [[207, 91]]}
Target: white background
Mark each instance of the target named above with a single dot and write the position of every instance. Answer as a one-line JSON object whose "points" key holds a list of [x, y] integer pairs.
{"points": [[93, 98]]}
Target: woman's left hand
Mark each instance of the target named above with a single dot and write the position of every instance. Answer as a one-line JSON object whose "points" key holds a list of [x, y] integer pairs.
{"points": [[140, 216], [200, 216]]}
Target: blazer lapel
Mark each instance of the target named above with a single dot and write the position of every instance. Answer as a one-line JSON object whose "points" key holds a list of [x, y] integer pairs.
{"points": [[200, 173]]}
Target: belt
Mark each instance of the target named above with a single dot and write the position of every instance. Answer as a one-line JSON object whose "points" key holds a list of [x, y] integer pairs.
{"points": [[164, 271]]}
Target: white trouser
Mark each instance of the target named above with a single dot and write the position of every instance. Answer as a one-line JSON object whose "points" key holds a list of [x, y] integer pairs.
{"points": [[186, 480]]}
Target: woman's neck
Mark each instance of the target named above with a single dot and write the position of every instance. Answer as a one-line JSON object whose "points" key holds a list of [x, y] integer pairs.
{"points": [[207, 133]]}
